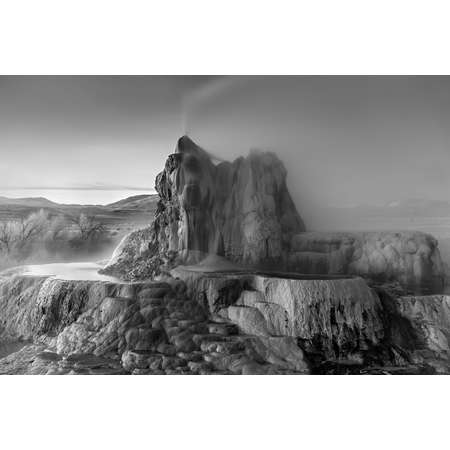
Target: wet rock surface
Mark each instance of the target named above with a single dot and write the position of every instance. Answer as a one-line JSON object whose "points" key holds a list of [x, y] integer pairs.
{"points": [[342, 325], [411, 258], [240, 210], [156, 329], [32, 306], [227, 323], [219, 233], [336, 316], [428, 332]]}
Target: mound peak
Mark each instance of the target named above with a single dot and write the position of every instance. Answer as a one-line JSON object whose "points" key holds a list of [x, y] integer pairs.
{"points": [[238, 210]]}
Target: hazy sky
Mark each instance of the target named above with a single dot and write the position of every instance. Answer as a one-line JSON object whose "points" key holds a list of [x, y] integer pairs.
{"points": [[344, 140], [87, 132]]}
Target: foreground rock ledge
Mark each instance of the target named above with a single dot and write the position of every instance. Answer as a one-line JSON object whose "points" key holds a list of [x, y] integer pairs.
{"points": [[235, 322], [338, 321], [338, 316], [139, 328]]}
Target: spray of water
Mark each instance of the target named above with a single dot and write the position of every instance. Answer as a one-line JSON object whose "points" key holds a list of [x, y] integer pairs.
{"points": [[192, 102]]}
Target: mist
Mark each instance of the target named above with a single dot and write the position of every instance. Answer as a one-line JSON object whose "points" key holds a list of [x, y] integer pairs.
{"points": [[346, 141]]}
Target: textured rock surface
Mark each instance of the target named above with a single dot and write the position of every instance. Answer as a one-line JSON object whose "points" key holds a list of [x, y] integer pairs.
{"points": [[227, 323], [409, 257], [337, 316], [37, 359], [231, 314], [429, 319], [140, 328], [32, 306], [342, 325], [240, 210]]}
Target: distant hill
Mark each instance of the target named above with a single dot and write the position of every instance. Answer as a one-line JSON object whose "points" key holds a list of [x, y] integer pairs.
{"points": [[142, 203], [136, 203], [33, 202], [430, 216], [122, 216], [405, 208], [426, 208]]}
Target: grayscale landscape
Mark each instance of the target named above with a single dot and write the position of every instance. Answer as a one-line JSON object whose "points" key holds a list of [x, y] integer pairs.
{"points": [[39, 230], [260, 233]]}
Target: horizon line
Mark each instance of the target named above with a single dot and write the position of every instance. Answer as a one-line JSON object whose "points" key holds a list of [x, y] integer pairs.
{"points": [[77, 188]]}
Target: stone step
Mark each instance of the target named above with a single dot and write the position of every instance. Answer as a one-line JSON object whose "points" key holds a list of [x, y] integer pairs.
{"points": [[224, 329]]}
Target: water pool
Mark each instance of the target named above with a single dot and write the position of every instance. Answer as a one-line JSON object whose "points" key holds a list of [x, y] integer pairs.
{"points": [[85, 271]]}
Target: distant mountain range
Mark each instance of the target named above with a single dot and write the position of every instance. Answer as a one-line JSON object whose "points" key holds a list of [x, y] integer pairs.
{"points": [[137, 202], [147, 203], [403, 208], [38, 202], [140, 203], [123, 215]]}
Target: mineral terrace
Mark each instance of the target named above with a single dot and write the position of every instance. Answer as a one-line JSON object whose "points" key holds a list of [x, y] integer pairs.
{"points": [[227, 280]]}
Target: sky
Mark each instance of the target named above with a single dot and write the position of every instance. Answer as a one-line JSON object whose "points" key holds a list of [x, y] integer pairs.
{"points": [[99, 138], [344, 140]]}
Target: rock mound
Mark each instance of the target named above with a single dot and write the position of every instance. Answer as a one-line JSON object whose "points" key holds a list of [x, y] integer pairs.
{"points": [[98, 327], [411, 258], [240, 210], [338, 317], [429, 321]]}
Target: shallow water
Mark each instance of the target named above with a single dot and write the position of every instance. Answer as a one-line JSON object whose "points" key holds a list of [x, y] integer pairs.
{"points": [[85, 271]]}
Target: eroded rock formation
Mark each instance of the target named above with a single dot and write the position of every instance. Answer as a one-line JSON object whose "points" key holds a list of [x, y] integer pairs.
{"points": [[240, 210], [341, 324], [339, 317], [429, 333], [34, 306], [409, 257], [234, 322], [112, 328], [232, 313]]}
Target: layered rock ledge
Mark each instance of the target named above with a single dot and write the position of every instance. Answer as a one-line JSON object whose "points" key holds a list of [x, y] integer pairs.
{"points": [[342, 324], [227, 322], [411, 258], [337, 316], [428, 338], [152, 327]]}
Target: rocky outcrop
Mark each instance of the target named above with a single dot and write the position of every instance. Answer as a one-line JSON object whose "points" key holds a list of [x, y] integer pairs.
{"points": [[408, 257], [33, 306], [240, 210], [429, 329], [341, 324], [339, 317], [232, 313], [102, 327], [235, 322]]}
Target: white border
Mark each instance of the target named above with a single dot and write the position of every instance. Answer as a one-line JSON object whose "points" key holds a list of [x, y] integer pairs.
{"points": [[218, 37], [220, 412], [233, 37]]}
